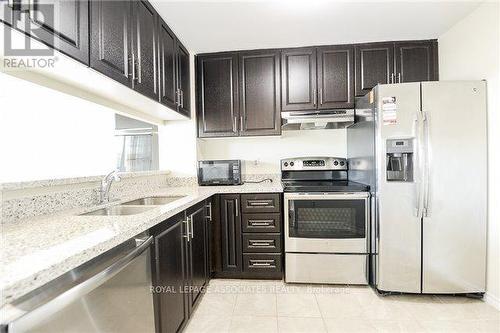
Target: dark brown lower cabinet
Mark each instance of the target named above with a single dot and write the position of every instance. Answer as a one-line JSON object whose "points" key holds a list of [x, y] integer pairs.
{"points": [[169, 276], [180, 267], [246, 236]]}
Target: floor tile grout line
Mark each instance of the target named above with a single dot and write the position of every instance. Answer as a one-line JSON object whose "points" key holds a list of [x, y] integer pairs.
{"points": [[321, 313]]}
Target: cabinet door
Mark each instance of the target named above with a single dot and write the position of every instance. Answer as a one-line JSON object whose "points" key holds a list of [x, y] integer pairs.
{"points": [[335, 77], [183, 80], [168, 66], [217, 97], [198, 252], [259, 79], [110, 51], [230, 216], [298, 79], [374, 64], [61, 24], [144, 27], [169, 273], [416, 61]]}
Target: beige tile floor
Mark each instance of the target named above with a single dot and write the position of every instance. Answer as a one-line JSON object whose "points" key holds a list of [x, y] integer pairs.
{"points": [[273, 306]]}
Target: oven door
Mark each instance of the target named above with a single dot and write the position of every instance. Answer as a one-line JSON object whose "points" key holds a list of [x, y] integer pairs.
{"points": [[326, 222]]}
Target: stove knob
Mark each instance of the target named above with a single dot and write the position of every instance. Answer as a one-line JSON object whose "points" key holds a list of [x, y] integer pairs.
{"points": [[285, 164], [342, 163], [336, 163], [291, 163]]}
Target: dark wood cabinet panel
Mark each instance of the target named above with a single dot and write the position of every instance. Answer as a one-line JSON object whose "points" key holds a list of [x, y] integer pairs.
{"points": [[416, 61], [217, 95], [263, 265], [198, 252], [60, 24], [335, 77], [144, 27], [169, 272], [230, 232], [374, 64], [183, 80], [298, 79], [111, 41], [167, 66], [259, 80]]}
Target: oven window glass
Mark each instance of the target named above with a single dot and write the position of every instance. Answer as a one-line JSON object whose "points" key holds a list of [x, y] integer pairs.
{"points": [[216, 171], [327, 219]]}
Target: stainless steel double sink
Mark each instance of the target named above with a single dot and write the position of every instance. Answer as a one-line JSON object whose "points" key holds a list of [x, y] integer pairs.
{"points": [[133, 207]]}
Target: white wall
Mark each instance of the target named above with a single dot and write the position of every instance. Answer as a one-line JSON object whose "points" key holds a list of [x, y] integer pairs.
{"points": [[48, 134], [268, 151], [468, 51]]}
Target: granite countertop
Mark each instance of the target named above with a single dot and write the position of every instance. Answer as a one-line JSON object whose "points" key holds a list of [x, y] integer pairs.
{"points": [[35, 252]]}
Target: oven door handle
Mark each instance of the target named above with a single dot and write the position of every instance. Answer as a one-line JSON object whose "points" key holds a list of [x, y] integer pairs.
{"points": [[291, 214]]}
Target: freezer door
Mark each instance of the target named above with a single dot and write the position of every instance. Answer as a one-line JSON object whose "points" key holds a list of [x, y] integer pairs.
{"points": [[454, 224], [398, 226]]}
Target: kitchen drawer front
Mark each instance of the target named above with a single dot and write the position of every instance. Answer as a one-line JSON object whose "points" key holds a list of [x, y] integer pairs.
{"points": [[260, 203], [261, 222], [262, 265], [268, 243]]}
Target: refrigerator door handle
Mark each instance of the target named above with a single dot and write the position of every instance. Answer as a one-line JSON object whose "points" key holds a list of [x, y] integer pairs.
{"points": [[419, 172], [426, 170]]}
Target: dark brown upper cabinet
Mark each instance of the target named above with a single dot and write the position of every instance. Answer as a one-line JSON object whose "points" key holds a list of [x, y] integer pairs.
{"points": [[168, 66], [61, 24], [298, 79], [111, 41], [183, 80], [259, 93], [217, 95], [416, 61], [374, 64], [335, 77], [144, 43]]}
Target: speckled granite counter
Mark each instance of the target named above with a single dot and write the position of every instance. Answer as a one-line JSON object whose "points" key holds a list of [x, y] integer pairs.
{"points": [[37, 251]]}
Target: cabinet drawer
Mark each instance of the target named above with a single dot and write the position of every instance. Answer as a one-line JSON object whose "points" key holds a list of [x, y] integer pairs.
{"points": [[262, 265], [260, 203], [262, 243], [261, 222]]}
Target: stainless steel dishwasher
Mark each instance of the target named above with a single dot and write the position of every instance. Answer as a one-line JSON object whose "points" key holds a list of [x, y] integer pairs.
{"points": [[111, 293]]}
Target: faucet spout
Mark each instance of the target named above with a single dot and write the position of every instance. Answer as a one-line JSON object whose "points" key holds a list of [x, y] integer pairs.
{"points": [[106, 185]]}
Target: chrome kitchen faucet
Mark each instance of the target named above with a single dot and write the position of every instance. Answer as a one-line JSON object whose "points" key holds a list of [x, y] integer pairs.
{"points": [[106, 185]]}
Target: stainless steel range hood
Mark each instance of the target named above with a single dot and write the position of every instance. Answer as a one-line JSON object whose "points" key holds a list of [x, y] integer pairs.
{"points": [[308, 120]]}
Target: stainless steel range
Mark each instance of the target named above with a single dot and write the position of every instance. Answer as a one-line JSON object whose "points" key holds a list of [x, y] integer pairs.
{"points": [[326, 222]]}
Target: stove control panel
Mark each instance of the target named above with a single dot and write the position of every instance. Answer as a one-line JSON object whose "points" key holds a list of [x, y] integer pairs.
{"points": [[313, 163]]}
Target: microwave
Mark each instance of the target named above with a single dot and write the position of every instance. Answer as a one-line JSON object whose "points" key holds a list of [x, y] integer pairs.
{"points": [[219, 172]]}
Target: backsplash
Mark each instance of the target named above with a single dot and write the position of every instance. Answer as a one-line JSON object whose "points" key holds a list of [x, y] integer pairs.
{"points": [[21, 201]]}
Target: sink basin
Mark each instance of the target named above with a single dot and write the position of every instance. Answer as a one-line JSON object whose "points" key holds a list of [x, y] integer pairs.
{"points": [[118, 210], [153, 201]]}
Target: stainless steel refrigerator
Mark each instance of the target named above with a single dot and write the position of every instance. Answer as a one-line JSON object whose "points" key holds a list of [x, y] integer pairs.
{"points": [[422, 148]]}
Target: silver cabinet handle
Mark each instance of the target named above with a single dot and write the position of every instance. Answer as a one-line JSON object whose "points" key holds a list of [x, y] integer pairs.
{"points": [[209, 207], [261, 243], [399, 77], [320, 93], [315, 97], [190, 219], [182, 97], [241, 123], [258, 203], [236, 208], [262, 263], [392, 78], [235, 125], [188, 232], [260, 223], [133, 67]]}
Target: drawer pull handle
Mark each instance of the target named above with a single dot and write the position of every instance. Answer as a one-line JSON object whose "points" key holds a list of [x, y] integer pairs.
{"points": [[262, 243], [258, 203], [260, 223], [262, 263]]}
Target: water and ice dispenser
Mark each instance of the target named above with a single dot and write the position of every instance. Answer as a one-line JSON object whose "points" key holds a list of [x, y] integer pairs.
{"points": [[399, 160]]}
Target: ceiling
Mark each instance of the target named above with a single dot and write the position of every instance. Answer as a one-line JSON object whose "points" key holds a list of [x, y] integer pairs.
{"points": [[208, 26]]}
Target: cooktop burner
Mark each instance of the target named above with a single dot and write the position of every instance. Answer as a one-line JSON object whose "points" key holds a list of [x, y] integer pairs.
{"points": [[323, 186]]}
